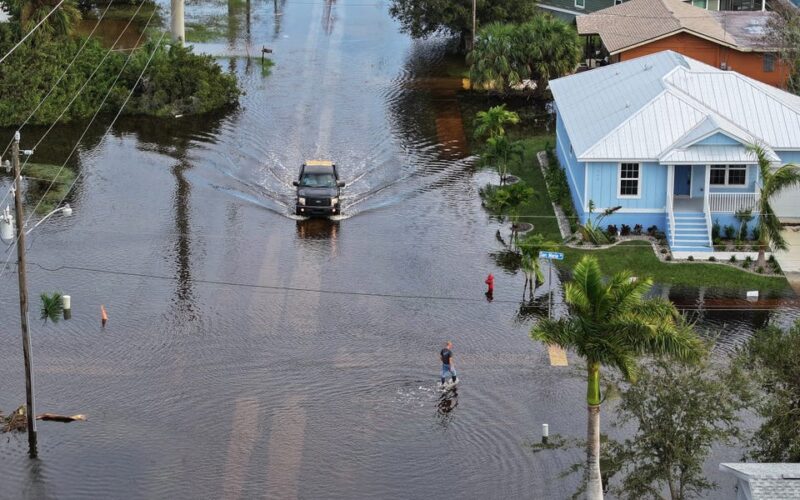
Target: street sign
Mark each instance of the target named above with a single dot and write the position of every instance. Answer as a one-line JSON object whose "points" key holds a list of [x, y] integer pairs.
{"points": [[551, 255]]}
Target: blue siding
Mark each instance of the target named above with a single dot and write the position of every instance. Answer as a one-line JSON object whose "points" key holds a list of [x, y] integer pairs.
{"points": [[789, 156], [603, 187], [730, 220], [574, 169], [718, 139], [752, 175]]}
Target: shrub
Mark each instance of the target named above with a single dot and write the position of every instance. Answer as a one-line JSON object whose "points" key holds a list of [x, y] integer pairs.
{"points": [[664, 250], [712, 259], [660, 236], [668, 257], [717, 242], [558, 189], [612, 229], [730, 232], [771, 259], [755, 233], [691, 258], [625, 230], [652, 230], [637, 229], [745, 265], [733, 258], [715, 230], [760, 270], [748, 259]]}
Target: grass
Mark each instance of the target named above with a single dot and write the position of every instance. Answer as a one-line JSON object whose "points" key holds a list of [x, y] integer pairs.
{"points": [[204, 32], [635, 256], [39, 176]]}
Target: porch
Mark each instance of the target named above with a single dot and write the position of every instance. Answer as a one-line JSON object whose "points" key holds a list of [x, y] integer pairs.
{"points": [[695, 192]]}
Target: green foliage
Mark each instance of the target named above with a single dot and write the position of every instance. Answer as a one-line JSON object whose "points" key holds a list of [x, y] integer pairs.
{"points": [[499, 199], [423, 18], [743, 217], [500, 152], [52, 307], [176, 82], [558, 188], [541, 49], [783, 30], [716, 230], [492, 122], [770, 357], [729, 231], [39, 178], [679, 412], [26, 14]]}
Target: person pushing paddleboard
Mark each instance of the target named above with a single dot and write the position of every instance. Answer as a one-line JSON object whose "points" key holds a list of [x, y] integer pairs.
{"points": [[448, 366]]}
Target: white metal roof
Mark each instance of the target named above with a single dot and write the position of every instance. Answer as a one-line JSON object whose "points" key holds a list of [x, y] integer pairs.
{"points": [[765, 481], [643, 108], [713, 155]]}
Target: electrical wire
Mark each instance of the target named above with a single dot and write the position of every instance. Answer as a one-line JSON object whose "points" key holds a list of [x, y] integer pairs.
{"points": [[63, 74], [15, 47], [110, 89], [80, 91], [449, 298]]}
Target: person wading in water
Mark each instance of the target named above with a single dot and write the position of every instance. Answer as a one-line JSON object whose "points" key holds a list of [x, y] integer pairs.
{"points": [[448, 366]]}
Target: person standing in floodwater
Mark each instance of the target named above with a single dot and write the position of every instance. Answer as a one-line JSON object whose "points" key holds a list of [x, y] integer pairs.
{"points": [[448, 366]]}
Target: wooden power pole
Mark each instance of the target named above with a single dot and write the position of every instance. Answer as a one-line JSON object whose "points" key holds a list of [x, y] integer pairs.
{"points": [[23, 298]]}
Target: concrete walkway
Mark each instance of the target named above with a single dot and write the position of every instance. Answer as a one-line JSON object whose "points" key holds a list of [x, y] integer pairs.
{"points": [[790, 259]]}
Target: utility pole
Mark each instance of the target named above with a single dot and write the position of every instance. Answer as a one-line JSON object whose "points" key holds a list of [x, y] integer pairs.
{"points": [[176, 21], [23, 298]]}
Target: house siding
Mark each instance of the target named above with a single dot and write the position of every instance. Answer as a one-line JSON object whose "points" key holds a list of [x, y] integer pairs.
{"points": [[604, 187], [718, 140], [574, 169], [746, 63]]}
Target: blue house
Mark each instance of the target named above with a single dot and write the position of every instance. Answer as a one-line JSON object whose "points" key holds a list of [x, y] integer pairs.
{"points": [[666, 138]]}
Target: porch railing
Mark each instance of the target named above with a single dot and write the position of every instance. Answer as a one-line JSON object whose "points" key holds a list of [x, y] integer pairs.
{"points": [[671, 216], [732, 202], [707, 212]]}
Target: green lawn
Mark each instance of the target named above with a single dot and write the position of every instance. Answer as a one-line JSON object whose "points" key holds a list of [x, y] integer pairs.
{"points": [[632, 255]]}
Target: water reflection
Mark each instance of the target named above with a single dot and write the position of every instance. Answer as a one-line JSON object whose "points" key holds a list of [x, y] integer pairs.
{"points": [[328, 19], [184, 297], [448, 401], [318, 229]]}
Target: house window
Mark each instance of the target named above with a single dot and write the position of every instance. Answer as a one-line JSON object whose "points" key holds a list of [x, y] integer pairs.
{"points": [[617, 2], [629, 180], [580, 4], [699, 3], [769, 63], [728, 175]]}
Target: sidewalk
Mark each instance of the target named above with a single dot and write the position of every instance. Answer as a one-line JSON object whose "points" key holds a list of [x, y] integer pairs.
{"points": [[790, 259]]}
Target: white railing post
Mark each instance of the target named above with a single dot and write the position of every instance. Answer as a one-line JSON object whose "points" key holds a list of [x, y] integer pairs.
{"points": [[707, 207], [670, 210]]}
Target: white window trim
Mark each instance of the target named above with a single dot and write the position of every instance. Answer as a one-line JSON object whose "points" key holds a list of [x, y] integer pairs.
{"points": [[582, 5], [638, 182], [727, 172]]}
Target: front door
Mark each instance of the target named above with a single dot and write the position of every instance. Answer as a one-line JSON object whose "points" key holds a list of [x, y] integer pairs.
{"points": [[683, 180]]}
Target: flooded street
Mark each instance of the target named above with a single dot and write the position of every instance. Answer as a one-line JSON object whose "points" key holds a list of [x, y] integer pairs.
{"points": [[253, 354]]}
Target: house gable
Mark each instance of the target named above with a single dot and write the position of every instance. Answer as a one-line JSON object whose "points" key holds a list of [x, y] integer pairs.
{"points": [[718, 139]]}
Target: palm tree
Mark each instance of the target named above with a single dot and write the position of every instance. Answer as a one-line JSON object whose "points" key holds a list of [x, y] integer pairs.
{"points": [[530, 247], [550, 49], [28, 13], [773, 182], [611, 323], [492, 122], [500, 152], [494, 58]]}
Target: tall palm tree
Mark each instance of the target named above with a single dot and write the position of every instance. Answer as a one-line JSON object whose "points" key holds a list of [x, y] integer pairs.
{"points": [[612, 323], [492, 122], [550, 49], [773, 182]]}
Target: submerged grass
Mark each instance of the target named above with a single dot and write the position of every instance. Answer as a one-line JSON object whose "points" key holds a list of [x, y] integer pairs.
{"points": [[39, 176]]}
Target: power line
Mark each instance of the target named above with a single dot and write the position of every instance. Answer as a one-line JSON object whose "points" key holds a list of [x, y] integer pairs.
{"points": [[63, 74], [80, 91], [449, 298], [31, 31], [110, 89]]}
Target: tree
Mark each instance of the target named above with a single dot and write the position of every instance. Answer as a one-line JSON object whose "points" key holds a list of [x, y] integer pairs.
{"points": [[679, 411], [611, 323], [783, 31], [495, 61], [773, 181], [500, 152], [550, 48], [28, 13], [530, 246], [423, 18], [770, 357], [504, 55], [492, 122]]}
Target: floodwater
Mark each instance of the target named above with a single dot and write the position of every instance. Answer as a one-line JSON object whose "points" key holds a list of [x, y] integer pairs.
{"points": [[253, 354]]}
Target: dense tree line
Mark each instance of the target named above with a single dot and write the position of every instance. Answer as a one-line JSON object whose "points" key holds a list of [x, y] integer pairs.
{"points": [[176, 82]]}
